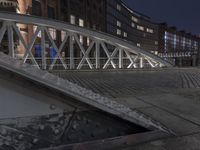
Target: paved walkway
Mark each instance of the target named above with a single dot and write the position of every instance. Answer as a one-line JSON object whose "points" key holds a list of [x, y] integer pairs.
{"points": [[171, 97]]}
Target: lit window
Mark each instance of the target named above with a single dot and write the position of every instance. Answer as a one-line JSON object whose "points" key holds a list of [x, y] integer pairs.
{"points": [[72, 19], [149, 30], [119, 7], [119, 32], [134, 19], [63, 54], [88, 41], [81, 39], [156, 42], [119, 24], [34, 30], [63, 35], [141, 28], [81, 22], [52, 33], [125, 34], [133, 25], [138, 45]]}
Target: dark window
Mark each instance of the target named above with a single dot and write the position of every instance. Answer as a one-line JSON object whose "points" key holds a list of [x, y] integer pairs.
{"points": [[51, 12], [36, 8], [64, 5]]}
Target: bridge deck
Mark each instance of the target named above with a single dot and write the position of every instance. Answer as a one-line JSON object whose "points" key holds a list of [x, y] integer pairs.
{"points": [[34, 102], [147, 98], [169, 96]]}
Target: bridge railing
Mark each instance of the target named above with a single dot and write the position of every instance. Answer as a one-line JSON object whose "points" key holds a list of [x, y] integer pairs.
{"points": [[51, 43], [59, 65]]}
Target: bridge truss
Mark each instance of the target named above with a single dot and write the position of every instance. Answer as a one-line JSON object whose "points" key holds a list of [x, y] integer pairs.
{"points": [[100, 51], [69, 116]]}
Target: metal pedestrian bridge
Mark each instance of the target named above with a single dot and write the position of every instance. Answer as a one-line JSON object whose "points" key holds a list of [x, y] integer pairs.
{"points": [[40, 110], [100, 51]]}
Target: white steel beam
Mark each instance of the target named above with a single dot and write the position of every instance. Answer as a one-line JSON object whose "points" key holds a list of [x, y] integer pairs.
{"points": [[110, 57], [83, 51], [86, 57], [141, 62], [150, 62], [132, 60], [3, 30], [43, 45], [10, 41], [28, 47], [97, 54], [71, 50], [121, 52], [58, 50]]}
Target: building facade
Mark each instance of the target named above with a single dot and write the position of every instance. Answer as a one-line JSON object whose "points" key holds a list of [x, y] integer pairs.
{"points": [[130, 25], [115, 18], [178, 46], [8, 5], [86, 13], [83, 13], [111, 16]]}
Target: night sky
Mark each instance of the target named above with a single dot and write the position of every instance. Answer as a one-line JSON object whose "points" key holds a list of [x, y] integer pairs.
{"points": [[184, 14]]}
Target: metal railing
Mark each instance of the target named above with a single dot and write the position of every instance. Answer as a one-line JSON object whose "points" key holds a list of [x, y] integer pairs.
{"points": [[102, 51], [59, 66]]}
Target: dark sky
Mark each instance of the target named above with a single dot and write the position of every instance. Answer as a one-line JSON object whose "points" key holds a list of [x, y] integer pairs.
{"points": [[185, 14]]}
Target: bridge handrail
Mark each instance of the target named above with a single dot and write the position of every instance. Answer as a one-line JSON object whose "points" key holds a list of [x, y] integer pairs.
{"points": [[63, 26]]}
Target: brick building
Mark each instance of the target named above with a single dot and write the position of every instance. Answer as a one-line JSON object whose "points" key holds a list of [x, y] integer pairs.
{"points": [[111, 16], [84, 13], [8, 5]]}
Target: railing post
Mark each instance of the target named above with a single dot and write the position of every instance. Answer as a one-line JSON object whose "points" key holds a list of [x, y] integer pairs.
{"points": [[121, 58], [43, 45], [141, 62], [10, 40], [97, 54], [71, 51]]}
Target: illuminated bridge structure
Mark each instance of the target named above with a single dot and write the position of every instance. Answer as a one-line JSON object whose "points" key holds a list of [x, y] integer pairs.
{"points": [[44, 110], [102, 51]]}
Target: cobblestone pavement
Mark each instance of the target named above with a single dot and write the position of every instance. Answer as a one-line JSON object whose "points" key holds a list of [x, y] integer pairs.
{"points": [[129, 83], [169, 96]]}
